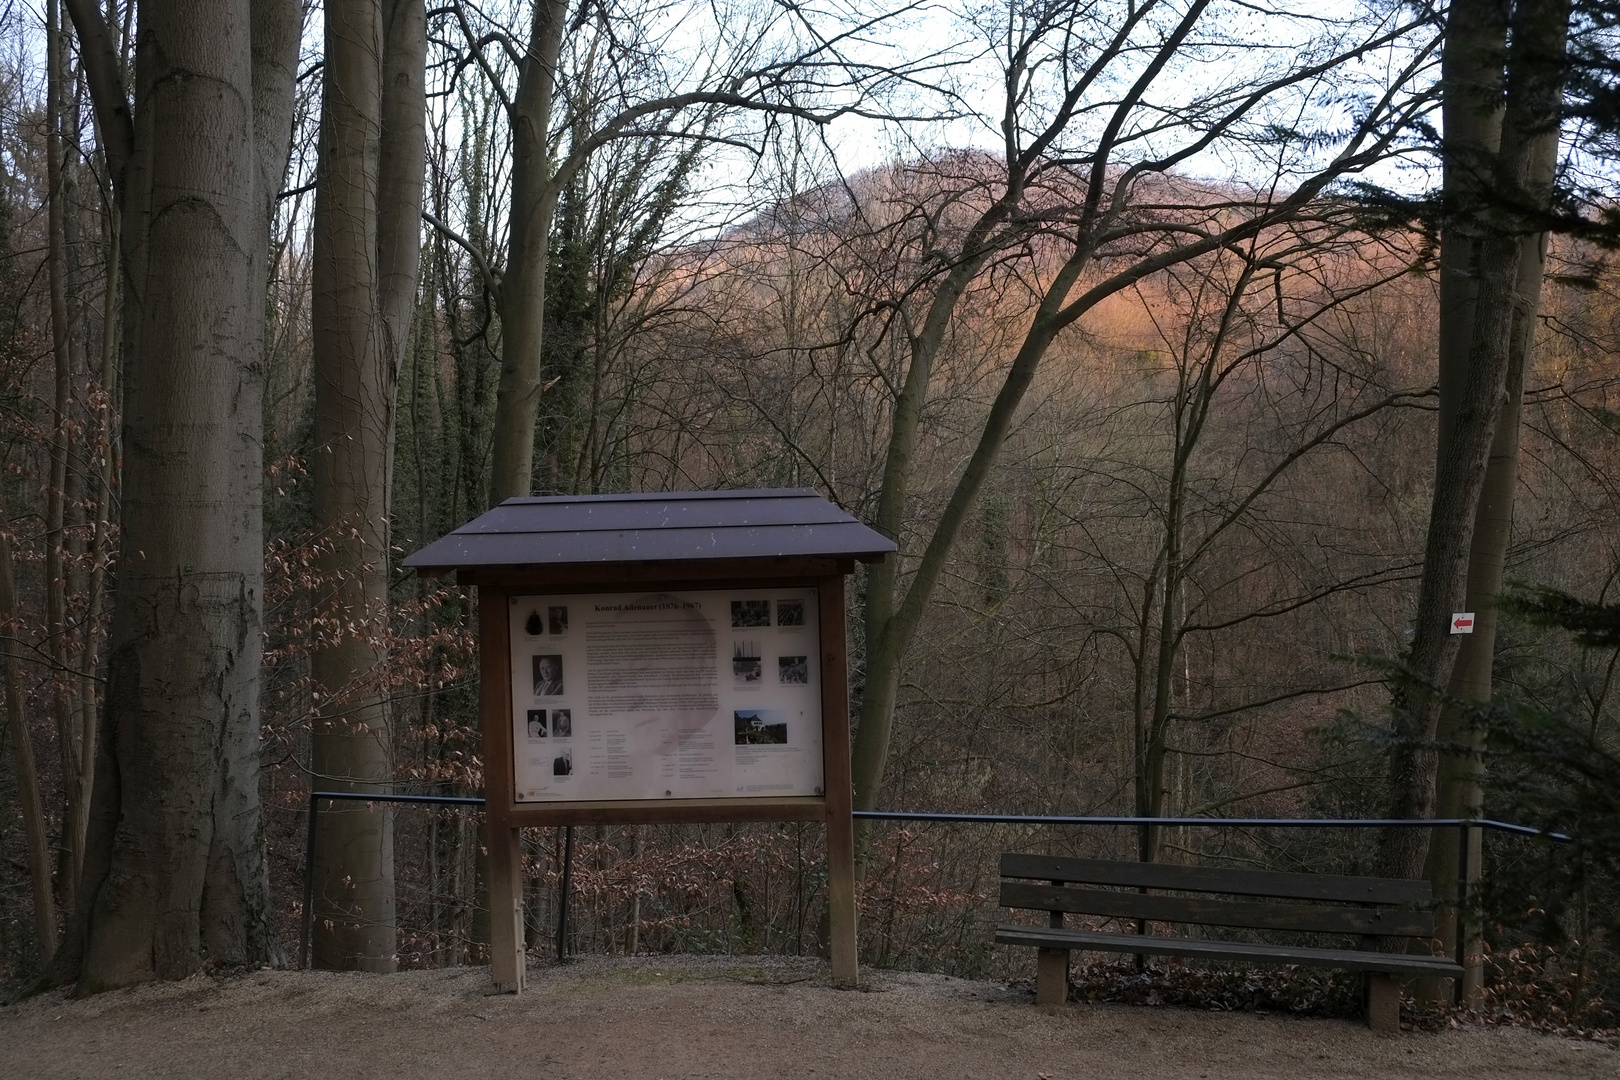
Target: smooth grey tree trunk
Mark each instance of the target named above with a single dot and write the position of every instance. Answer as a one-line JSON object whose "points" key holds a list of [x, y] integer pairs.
{"points": [[1460, 775], [540, 173], [69, 738], [103, 507], [521, 298], [174, 870], [1472, 69], [368, 208], [523, 286], [1474, 386]]}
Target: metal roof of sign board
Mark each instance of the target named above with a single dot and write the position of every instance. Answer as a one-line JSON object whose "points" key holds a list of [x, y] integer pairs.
{"points": [[655, 527]]}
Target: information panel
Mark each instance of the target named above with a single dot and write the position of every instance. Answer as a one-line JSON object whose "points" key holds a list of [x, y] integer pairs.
{"points": [[666, 695]]}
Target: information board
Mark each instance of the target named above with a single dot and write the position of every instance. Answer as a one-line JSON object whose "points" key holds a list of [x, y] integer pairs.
{"points": [[666, 695]]}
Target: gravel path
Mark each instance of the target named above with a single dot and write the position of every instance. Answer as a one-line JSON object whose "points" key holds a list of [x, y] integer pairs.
{"points": [[738, 1017]]}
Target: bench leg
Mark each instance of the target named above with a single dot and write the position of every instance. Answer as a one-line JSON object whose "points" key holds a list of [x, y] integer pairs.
{"points": [[1052, 977], [1384, 1003]]}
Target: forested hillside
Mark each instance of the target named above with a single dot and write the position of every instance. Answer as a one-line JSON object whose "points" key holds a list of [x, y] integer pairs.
{"points": [[1144, 375]]}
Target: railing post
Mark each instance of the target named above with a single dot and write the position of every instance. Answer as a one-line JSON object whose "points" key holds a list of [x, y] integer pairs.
{"points": [[309, 883], [562, 899], [1460, 908], [1469, 950]]}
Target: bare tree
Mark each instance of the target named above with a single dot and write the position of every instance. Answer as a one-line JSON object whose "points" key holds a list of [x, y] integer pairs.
{"points": [[754, 64], [1080, 170], [1206, 506]]}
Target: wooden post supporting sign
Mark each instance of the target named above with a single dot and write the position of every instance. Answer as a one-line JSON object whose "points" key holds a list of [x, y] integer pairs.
{"points": [[841, 915], [507, 945]]}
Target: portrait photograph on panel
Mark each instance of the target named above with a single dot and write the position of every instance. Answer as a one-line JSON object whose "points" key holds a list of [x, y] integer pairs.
{"points": [[537, 723], [558, 617], [562, 723], [548, 675]]}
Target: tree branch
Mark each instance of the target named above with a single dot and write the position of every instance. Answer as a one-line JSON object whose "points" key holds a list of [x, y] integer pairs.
{"points": [[491, 276], [103, 75]]}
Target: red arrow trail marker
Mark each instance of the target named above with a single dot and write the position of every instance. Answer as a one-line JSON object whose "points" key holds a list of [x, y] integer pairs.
{"points": [[1462, 622]]}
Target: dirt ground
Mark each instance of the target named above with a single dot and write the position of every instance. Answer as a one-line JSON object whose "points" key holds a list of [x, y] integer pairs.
{"points": [[668, 1018]]}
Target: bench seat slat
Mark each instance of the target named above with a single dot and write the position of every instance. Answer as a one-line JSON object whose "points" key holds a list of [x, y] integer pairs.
{"points": [[1331, 887], [1252, 914], [1346, 959]]}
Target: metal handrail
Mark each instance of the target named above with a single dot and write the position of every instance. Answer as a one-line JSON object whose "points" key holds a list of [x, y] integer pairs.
{"points": [[932, 816], [1242, 823]]}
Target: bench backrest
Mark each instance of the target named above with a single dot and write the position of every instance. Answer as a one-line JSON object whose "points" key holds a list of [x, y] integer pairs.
{"points": [[1383, 906]]}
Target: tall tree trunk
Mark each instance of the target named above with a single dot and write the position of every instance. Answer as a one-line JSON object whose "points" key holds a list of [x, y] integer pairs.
{"points": [[368, 207], [1473, 398], [68, 740], [103, 510], [523, 288], [1151, 788], [1461, 768], [1472, 69], [522, 303], [174, 867], [888, 634]]}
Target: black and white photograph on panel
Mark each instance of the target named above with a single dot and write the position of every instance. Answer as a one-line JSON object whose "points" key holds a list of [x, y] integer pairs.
{"points": [[651, 678], [759, 727], [747, 667], [548, 675]]}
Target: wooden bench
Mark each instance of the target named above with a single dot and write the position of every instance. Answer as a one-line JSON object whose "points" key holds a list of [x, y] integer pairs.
{"points": [[1365, 908]]}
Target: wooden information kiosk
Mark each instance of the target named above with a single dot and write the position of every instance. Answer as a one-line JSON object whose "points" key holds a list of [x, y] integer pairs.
{"points": [[657, 659]]}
